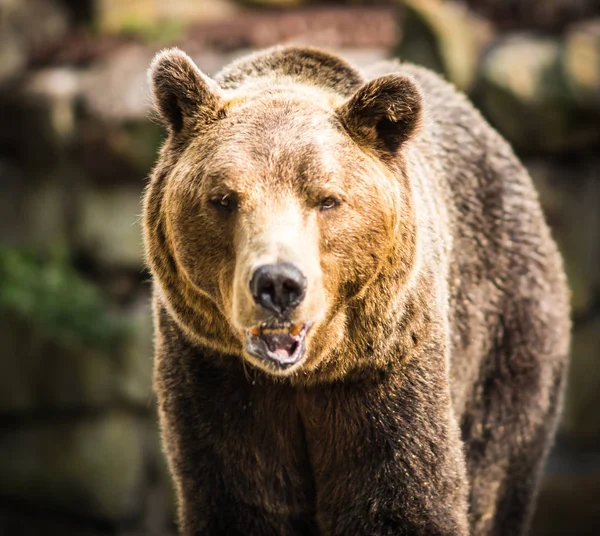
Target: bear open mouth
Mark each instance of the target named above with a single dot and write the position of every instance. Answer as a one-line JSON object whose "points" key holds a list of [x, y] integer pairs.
{"points": [[281, 346]]}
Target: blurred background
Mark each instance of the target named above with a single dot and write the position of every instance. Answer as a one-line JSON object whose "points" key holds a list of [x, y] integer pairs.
{"points": [[79, 448]]}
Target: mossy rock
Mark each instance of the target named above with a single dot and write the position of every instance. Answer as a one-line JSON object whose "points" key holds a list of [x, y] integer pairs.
{"points": [[107, 227], [522, 91], [32, 211], [45, 289], [65, 347], [62, 345], [135, 365], [580, 417], [580, 60], [570, 194], [568, 504], [43, 102], [154, 21], [445, 37]]}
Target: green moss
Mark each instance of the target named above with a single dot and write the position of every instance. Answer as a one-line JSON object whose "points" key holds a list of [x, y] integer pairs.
{"points": [[45, 289], [162, 33]]}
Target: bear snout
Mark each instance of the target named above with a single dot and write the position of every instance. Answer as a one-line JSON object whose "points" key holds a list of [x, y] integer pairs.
{"points": [[278, 288]]}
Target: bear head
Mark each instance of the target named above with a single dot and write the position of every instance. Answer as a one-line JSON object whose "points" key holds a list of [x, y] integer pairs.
{"points": [[279, 218]]}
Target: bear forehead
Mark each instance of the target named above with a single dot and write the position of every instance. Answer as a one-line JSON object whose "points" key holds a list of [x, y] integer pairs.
{"points": [[271, 117], [277, 135]]}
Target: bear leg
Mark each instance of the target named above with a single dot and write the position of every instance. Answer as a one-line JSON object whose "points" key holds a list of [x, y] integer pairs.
{"points": [[508, 431]]}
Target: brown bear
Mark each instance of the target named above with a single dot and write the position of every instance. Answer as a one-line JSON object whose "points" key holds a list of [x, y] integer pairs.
{"points": [[362, 321]]}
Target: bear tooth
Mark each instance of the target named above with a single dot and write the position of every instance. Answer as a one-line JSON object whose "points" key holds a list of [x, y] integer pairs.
{"points": [[274, 331], [296, 329]]}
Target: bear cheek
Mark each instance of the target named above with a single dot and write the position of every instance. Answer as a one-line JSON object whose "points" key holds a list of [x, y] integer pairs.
{"points": [[355, 248], [204, 254]]}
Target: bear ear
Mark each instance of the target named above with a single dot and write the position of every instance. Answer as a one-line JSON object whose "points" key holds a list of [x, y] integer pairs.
{"points": [[182, 94], [383, 113]]}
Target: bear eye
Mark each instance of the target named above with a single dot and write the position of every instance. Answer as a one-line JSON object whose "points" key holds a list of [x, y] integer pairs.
{"points": [[327, 203], [225, 203]]}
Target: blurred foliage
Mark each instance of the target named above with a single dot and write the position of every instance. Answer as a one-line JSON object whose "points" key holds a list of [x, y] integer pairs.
{"points": [[45, 289], [151, 32]]}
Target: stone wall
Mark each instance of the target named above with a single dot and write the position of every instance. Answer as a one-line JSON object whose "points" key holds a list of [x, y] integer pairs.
{"points": [[79, 449]]}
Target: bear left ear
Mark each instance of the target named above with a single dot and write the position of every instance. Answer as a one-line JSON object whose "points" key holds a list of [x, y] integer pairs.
{"points": [[383, 113], [182, 94]]}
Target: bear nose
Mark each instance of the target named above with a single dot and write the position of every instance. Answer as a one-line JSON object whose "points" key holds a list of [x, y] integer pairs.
{"points": [[278, 287]]}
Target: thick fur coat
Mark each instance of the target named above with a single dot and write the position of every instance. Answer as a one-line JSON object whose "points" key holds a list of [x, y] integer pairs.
{"points": [[400, 369]]}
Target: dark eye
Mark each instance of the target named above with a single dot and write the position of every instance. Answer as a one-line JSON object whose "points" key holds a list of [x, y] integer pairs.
{"points": [[327, 203], [225, 203]]}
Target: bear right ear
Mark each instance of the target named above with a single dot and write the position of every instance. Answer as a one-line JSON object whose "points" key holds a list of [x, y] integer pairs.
{"points": [[182, 94]]}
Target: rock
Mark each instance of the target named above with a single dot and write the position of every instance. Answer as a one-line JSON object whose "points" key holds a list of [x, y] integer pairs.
{"points": [[445, 37], [32, 211], [39, 116], [117, 141], [570, 194], [550, 15], [273, 3], [27, 26], [45, 214], [115, 89], [212, 10], [581, 63], [40, 22], [135, 366], [116, 153], [161, 504], [13, 54], [580, 417], [568, 504], [522, 91], [211, 62], [31, 521], [107, 226], [363, 57], [92, 467], [58, 89], [13, 197]]}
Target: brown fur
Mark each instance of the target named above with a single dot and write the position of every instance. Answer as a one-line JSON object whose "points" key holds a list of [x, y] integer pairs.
{"points": [[428, 395]]}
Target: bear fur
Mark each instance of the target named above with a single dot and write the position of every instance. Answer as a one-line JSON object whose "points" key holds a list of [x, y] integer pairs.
{"points": [[429, 370]]}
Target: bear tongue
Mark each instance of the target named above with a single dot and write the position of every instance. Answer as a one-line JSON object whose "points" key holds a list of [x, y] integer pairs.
{"points": [[281, 344]]}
